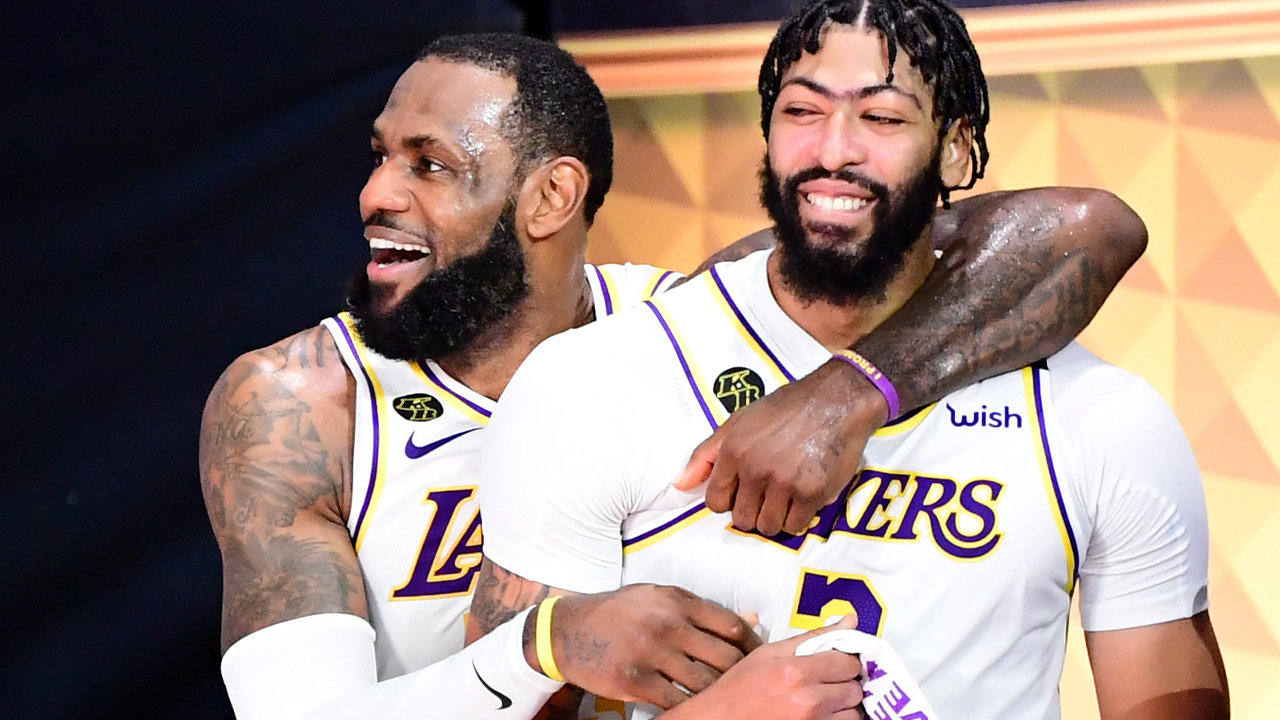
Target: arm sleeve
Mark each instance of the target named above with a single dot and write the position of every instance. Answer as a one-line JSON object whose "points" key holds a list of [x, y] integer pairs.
{"points": [[322, 667], [1148, 551], [554, 481]]}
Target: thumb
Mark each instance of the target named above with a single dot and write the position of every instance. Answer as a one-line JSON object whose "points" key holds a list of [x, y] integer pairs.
{"points": [[788, 646], [700, 463]]}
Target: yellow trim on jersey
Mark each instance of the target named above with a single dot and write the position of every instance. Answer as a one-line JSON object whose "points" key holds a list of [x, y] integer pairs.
{"points": [[699, 379], [612, 289], [1037, 428], [449, 396], [906, 425], [723, 303], [651, 287], [379, 478], [666, 532]]}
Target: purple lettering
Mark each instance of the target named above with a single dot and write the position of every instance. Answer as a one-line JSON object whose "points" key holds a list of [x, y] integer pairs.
{"points": [[919, 504], [438, 571]]}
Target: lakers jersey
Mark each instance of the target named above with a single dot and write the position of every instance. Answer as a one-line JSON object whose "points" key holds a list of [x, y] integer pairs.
{"points": [[960, 542], [415, 518]]}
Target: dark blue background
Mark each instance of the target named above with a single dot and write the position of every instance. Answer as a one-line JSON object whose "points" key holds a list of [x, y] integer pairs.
{"points": [[179, 185]]}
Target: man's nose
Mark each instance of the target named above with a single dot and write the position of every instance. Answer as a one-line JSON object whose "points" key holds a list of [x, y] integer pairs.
{"points": [[841, 146], [384, 192]]}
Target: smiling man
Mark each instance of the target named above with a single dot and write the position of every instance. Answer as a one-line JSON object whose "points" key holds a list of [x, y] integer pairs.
{"points": [[959, 543], [339, 466]]}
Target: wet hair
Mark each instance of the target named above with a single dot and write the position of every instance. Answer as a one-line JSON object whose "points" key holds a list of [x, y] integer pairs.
{"points": [[557, 111], [930, 32]]}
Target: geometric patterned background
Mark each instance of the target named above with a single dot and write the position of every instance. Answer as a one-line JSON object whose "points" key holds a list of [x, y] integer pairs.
{"points": [[1195, 149]]}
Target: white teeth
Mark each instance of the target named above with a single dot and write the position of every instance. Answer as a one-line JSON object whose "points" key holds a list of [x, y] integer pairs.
{"points": [[843, 203], [381, 244]]}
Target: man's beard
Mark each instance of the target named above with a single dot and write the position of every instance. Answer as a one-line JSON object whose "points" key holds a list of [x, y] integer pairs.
{"points": [[837, 271], [449, 310]]}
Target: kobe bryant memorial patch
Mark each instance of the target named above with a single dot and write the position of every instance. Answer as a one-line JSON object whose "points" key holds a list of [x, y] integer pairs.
{"points": [[738, 387], [418, 407]]}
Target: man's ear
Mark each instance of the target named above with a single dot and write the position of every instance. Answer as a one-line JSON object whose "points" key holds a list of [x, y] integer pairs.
{"points": [[957, 148], [552, 196]]}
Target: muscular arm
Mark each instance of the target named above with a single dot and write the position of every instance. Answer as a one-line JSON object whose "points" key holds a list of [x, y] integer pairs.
{"points": [[1170, 671], [1022, 273], [275, 449]]}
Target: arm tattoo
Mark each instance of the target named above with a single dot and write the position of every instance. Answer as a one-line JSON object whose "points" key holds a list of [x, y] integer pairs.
{"points": [[1021, 280], [266, 473], [501, 595]]}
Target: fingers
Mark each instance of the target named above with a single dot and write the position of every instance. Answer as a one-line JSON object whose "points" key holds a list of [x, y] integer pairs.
{"points": [[830, 666], [701, 462], [724, 490], [692, 675], [723, 624], [713, 651], [656, 690], [773, 512], [788, 646]]}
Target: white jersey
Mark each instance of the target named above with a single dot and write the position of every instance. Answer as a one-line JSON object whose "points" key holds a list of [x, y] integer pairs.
{"points": [[415, 518], [960, 543]]}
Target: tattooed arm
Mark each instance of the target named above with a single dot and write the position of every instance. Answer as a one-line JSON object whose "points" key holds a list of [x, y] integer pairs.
{"points": [[633, 644], [1022, 273], [275, 453]]}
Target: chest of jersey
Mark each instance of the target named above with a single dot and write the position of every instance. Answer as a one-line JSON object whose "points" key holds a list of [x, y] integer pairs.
{"points": [[415, 519], [954, 542]]}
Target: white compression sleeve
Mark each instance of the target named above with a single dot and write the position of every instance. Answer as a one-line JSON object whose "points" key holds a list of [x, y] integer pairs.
{"points": [[322, 667]]}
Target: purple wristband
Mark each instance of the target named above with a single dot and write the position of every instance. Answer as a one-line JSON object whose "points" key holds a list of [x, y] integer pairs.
{"points": [[876, 377]]}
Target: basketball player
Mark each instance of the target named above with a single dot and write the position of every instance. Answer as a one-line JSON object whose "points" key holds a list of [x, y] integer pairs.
{"points": [[962, 540], [338, 465]]}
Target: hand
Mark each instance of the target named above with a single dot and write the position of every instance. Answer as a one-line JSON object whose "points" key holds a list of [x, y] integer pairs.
{"points": [[772, 683], [633, 644], [777, 462]]}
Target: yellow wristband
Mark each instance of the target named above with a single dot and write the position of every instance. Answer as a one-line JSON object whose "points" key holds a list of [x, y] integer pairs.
{"points": [[542, 640]]}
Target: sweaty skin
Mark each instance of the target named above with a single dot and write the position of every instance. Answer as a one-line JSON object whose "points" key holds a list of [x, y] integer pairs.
{"points": [[277, 431], [1021, 274]]}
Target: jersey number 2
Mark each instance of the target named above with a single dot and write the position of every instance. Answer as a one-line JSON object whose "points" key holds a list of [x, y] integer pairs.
{"points": [[822, 595]]}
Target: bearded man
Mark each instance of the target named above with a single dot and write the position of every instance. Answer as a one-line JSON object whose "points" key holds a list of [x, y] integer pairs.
{"points": [[961, 540], [339, 465]]}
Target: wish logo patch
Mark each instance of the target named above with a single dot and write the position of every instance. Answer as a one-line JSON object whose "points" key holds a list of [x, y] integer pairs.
{"points": [[418, 407], [738, 387]]}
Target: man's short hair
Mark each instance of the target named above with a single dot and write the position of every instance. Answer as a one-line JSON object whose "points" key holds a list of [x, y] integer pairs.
{"points": [[932, 34], [557, 110]]}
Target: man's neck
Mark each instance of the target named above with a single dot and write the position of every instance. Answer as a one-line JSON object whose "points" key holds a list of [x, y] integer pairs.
{"points": [[840, 327], [487, 365]]}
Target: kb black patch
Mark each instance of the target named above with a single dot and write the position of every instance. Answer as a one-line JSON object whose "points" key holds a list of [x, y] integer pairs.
{"points": [[738, 387], [418, 407]]}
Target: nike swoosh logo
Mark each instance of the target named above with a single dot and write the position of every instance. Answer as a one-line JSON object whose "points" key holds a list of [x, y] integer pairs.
{"points": [[416, 451], [506, 701]]}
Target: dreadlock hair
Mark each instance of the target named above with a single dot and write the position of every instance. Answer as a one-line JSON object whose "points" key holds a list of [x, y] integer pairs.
{"points": [[934, 38], [557, 110]]}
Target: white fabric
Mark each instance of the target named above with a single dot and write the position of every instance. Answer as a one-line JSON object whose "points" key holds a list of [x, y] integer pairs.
{"points": [[414, 512], [888, 689], [972, 592], [320, 667]]}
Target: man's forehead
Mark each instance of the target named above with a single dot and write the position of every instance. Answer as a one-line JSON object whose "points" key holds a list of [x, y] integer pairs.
{"points": [[454, 96], [851, 57]]}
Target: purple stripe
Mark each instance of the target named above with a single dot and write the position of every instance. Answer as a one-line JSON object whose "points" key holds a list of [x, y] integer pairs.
{"points": [[604, 290], [427, 370], [644, 536], [373, 402], [905, 416], [750, 330], [665, 274], [1053, 476], [688, 374]]}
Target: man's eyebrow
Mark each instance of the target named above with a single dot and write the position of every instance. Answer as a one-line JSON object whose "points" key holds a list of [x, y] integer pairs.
{"points": [[859, 94]]}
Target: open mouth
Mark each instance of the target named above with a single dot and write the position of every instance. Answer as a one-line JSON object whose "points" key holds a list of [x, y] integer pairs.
{"points": [[385, 253], [836, 203]]}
